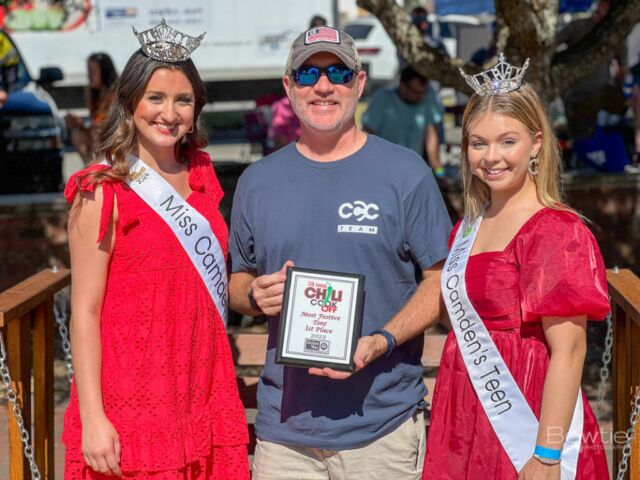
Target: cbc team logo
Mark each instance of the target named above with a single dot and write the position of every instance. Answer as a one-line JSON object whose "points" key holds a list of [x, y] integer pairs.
{"points": [[360, 211]]}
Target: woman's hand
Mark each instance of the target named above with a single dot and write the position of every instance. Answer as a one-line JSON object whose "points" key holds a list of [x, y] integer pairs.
{"points": [[101, 446], [536, 470]]}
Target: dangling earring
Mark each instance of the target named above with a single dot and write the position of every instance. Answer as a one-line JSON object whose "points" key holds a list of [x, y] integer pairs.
{"points": [[533, 166]]}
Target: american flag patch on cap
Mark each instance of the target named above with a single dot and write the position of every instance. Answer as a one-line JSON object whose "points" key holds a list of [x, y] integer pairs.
{"points": [[322, 34]]}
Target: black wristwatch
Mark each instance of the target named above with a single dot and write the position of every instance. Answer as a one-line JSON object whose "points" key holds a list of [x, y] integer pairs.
{"points": [[391, 340], [252, 301]]}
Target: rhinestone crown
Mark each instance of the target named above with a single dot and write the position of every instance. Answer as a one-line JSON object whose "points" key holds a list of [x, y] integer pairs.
{"points": [[501, 78], [166, 44]]}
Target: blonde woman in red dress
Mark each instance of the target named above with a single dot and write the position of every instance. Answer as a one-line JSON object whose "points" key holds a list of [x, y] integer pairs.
{"points": [[154, 393], [507, 403]]}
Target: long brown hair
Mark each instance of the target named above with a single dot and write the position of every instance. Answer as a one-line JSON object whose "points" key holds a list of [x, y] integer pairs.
{"points": [[525, 106], [117, 136]]}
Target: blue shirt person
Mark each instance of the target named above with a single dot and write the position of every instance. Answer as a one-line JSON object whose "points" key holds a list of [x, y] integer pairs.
{"points": [[333, 201], [408, 114]]}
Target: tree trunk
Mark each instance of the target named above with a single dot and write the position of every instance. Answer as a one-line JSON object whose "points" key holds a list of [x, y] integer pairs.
{"points": [[597, 47], [407, 38], [529, 27]]}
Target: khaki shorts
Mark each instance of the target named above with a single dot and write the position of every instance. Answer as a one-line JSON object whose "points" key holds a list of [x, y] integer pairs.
{"points": [[398, 455]]}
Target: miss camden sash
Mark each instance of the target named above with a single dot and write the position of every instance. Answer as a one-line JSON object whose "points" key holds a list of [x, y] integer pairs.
{"points": [[192, 230], [508, 411]]}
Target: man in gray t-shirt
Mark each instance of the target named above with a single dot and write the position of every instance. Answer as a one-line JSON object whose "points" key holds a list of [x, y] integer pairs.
{"points": [[340, 200]]}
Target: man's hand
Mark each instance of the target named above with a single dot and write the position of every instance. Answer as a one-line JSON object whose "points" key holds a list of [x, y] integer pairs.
{"points": [[369, 348], [3, 98], [268, 290]]}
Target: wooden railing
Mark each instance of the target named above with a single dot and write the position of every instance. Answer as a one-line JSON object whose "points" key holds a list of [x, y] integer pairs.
{"points": [[624, 288], [26, 320]]}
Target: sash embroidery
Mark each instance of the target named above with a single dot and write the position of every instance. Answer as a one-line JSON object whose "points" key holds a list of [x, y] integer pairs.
{"points": [[504, 404], [192, 230]]}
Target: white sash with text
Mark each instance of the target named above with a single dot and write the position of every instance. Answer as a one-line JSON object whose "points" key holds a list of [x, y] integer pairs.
{"points": [[508, 411], [192, 230]]}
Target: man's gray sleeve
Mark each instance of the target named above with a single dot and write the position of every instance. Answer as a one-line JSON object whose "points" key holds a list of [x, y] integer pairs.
{"points": [[241, 246], [427, 222]]}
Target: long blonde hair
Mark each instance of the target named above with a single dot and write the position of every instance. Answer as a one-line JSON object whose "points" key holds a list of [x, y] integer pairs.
{"points": [[525, 106], [117, 135]]}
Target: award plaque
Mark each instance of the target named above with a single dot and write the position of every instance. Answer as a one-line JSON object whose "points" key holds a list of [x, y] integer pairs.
{"points": [[321, 319]]}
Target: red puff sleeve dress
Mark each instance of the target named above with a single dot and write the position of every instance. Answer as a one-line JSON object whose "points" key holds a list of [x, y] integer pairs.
{"points": [[551, 268], [168, 380]]}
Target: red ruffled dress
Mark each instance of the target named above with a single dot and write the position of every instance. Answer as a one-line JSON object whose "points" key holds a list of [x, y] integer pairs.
{"points": [[551, 268], [168, 380]]}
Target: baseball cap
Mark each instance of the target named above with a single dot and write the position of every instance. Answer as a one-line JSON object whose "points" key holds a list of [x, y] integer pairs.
{"points": [[323, 39]]}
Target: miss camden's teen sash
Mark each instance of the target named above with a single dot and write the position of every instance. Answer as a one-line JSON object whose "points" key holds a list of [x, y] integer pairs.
{"points": [[508, 411], [192, 230]]}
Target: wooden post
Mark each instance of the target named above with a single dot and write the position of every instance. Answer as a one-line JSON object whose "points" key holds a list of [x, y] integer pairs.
{"points": [[634, 341], [43, 346], [19, 361], [31, 300]]}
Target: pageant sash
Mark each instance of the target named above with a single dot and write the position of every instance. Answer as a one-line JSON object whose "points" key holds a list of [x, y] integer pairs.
{"points": [[192, 230], [508, 411]]}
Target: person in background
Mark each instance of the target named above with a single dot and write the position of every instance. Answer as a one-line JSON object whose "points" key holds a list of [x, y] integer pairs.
{"points": [[317, 21], [602, 88], [420, 18], [635, 109], [486, 55], [408, 114], [284, 127], [102, 77]]}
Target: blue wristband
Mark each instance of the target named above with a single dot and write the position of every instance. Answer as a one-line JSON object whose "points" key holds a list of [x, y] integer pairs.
{"points": [[549, 453], [391, 341]]}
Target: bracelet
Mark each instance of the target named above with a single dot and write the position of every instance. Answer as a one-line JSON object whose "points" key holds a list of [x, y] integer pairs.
{"points": [[438, 172], [548, 453], [391, 341], [252, 301], [546, 461]]}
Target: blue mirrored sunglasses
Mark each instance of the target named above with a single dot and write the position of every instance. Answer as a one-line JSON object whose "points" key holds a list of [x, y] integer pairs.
{"points": [[308, 75]]}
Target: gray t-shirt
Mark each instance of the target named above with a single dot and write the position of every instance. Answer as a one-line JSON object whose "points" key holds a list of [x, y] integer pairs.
{"points": [[287, 206], [399, 122]]}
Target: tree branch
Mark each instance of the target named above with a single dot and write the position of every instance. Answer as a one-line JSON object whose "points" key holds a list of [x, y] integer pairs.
{"points": [[597, 47], [532, 23], [407, 38]]}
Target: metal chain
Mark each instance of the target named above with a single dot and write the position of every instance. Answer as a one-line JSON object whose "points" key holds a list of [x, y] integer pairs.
{"points": [[606, 361], [17, 411], [631, 433], [61, 320]]}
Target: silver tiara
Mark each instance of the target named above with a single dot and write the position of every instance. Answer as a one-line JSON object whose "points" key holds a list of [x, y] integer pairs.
{"points": [[501, 78], [166, 44]]}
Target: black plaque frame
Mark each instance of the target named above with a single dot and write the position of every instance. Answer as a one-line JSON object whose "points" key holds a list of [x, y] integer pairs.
{"points": [[358, 309]]}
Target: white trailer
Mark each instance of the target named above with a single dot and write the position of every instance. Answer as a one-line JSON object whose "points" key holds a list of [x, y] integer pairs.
{"points": [[245, 39]]}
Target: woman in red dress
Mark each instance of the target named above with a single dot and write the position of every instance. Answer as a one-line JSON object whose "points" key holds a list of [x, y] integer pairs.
{"points": [[154, 393], [534, 276]]}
